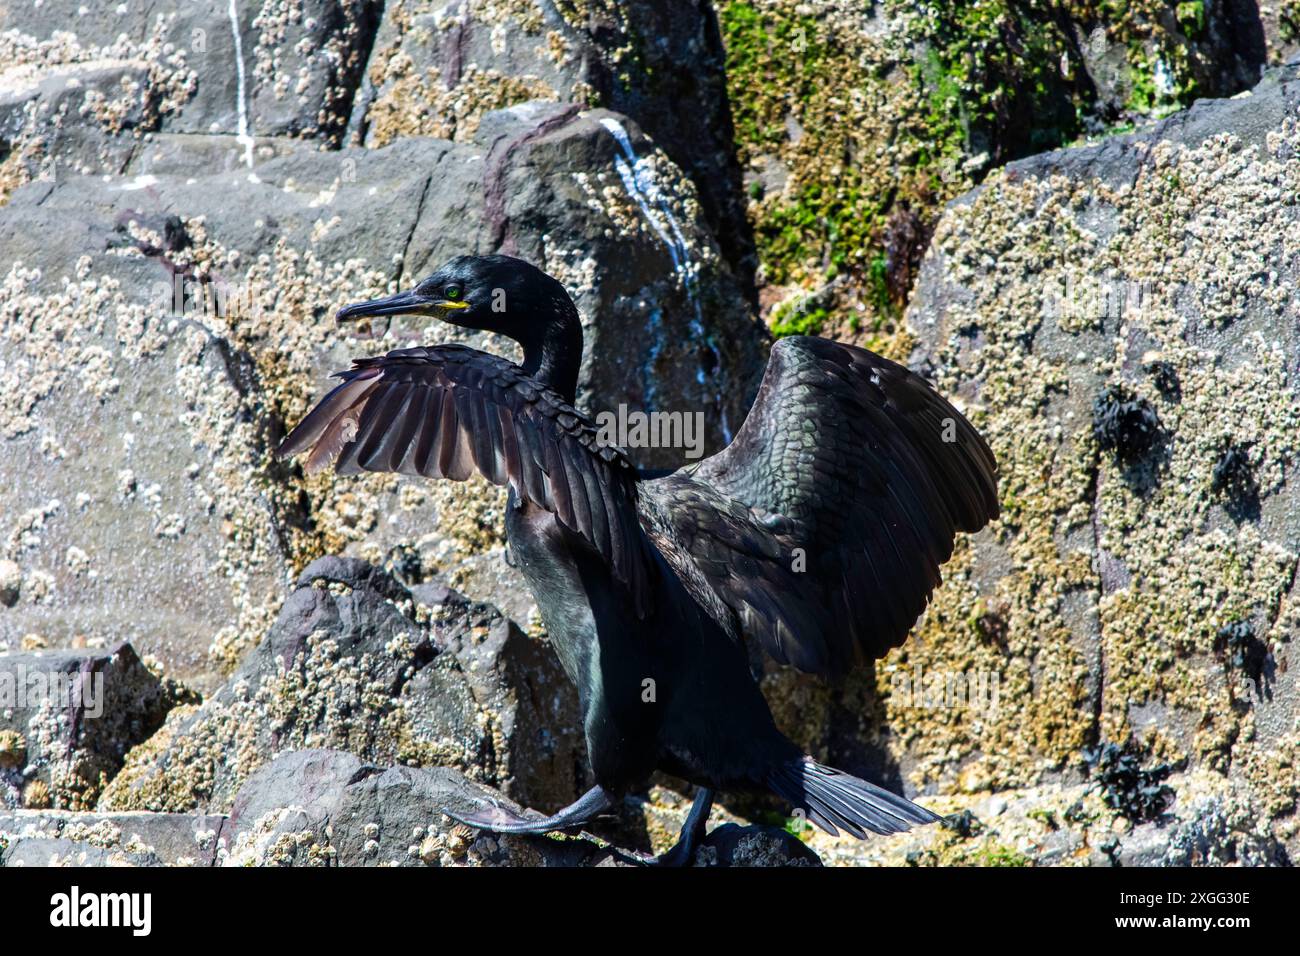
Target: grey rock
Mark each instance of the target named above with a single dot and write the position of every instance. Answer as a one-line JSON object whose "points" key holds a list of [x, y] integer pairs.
{"points": [[733, 845], [81, 104], [319, 807], [1146, 845], [46, 837], [68, 719], [355, 604], [309, 780], [38, 851], [1217, 833], [38, 125], [531, 745], [354, 663], [295, 66], [668, 326], [325, 808]]}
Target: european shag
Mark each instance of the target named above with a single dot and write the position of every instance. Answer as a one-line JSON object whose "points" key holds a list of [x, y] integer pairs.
{"points": [[818, 532]]}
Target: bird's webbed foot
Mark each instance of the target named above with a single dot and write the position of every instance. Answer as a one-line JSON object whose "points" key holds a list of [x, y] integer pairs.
{"points": [[682, 852], [501, 819]]}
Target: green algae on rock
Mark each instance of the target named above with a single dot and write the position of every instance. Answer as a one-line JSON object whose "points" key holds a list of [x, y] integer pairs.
{"points": [[856, 123]]}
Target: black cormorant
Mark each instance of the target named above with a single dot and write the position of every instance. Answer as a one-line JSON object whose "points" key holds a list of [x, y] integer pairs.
{"points": [[817, 532]]}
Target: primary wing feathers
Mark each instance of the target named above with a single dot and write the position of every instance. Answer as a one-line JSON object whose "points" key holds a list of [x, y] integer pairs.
{"points": [[821, 528], [449, 411]]}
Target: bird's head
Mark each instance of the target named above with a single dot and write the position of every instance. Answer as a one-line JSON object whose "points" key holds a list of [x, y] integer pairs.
{"points": [[492, 293], [497, 294]]}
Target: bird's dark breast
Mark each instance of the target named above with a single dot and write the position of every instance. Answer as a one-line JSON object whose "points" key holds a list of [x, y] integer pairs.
{"points": [[597, 638], [671, 691]]}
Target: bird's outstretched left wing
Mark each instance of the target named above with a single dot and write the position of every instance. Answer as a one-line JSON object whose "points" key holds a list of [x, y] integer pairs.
{"points": [[448, 411], [820, 529]]}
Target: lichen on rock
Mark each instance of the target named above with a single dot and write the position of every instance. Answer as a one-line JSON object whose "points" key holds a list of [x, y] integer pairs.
{"points": [[1113, 575]]}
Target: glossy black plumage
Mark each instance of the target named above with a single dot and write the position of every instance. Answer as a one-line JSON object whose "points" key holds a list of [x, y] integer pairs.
{"points": [[449, 411], [844, 467], [819, 531]]}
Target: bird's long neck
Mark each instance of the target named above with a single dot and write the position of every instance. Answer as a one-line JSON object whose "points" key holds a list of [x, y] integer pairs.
{"points": [[554, 357]]}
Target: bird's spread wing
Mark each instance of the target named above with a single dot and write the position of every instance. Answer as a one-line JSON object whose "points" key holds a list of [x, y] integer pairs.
{"points": [[449, 411], [820, 529]]}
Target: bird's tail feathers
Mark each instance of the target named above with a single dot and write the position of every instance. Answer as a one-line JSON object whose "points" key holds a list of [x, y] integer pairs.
{"points": [[836, 801]]}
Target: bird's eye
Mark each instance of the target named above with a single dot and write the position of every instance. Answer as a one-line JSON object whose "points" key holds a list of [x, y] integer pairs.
{"points": [[453, 292]]}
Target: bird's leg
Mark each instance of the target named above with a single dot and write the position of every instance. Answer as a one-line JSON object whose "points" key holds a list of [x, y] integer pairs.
{"points": [[693, 830], [500, 819]]}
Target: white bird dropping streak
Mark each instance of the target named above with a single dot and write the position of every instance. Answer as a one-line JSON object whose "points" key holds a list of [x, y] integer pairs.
{"points": [[645, 192], [242, 137]]}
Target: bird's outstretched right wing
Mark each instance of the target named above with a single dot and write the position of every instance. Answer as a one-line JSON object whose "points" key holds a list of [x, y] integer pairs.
{"points": [[448, 411], [820, 529]]}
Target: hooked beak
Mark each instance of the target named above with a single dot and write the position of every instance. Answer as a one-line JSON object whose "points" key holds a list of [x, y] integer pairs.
{"points": [[404, 303]]}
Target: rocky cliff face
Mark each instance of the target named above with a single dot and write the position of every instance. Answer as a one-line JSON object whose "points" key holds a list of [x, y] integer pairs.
{"points": [[1120, 319], [183, 306], [189, 191], [855, 123]]}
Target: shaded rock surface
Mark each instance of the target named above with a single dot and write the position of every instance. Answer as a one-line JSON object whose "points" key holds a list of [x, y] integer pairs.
{"points": [[355, 663], [67, 720]]}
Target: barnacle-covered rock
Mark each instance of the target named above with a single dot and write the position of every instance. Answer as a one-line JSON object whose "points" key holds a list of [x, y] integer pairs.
{"points": [[68, 719], [326, 808], [84, 84], [355, 663], [62, 838], [1118, 321]]}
